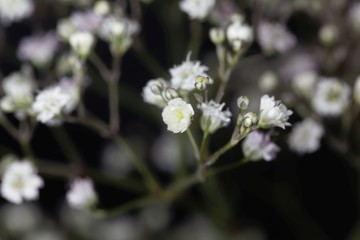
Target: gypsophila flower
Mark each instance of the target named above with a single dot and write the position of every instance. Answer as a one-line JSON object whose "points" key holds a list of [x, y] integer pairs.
{"points": [[331, 97], [151, 95], [81, 194], [356, 91], [102, 8], [20, 182], [213, 116], [82, 43], [177, 115], [257, 146], [184, 76], [197, 9], [15, 10], [274, 37], [86, 21], [305, 136], [38, 49], [273, 113], [51, 103], [268, 81], [304, 83], [238, 33], [19, 90]]}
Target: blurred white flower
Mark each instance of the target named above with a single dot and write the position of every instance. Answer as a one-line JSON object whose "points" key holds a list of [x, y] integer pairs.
{"points": [[213, 116], [257, 146], [82, 43], [356, 90], [184, 76], [197, 9], [274, 37], [19, 90], [305, 136], [268, 81], [19, 219], [81, 194], [331, 97], [152, 92], [239, 33], [86, 21], [297, 63], [20, 182], [304, 83], [38, 49], [102, 8], [124, 228], [157, 210], [15, 10], [273, 113], [177, 115], [54, 101], [65, 28], [354, 16], [116, 161], [113, 26]]}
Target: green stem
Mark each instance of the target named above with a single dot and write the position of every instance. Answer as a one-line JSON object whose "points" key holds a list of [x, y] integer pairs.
{"points": [[8, 126], [196, 38], [204, 146], [228, 167], [213, 158], [193, 143], [140, 165], [114, 96]]}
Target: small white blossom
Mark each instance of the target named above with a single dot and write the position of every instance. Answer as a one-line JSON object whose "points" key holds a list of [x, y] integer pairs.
{"points": [[86, 21], [273, 113], [257, 146], [331, 97], [268, 81], [38, 49], [118, 27], [274, 37], [305, 136], [20, 182], [81, 194], [65, 28], [154, 97], [177, 115], [102, 8], [357, 90], [82, 43], [328, 34], [213, 116], [15, 10], [239, 33], [197, 9], [18, 90], [304, 83], [184, 76], [54, 101]]}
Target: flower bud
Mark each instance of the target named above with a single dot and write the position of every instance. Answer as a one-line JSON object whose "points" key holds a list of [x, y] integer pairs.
{"points": [[250, 119], [157, 87], [102, 8], [243, 102], [82, 43], [217, 35], [170, 94], [201, 83]]}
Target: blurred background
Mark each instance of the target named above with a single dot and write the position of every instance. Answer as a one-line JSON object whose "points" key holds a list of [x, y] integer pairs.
{"points": [[310, 196]]}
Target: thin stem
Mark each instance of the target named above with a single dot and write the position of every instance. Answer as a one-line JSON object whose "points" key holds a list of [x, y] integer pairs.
{"points": [[224, 78], [113, 86], [196, 37], [193, 143], [204, 146], [8, 126], [140, 165], [101, 67], [228, 167], [213, 158]]}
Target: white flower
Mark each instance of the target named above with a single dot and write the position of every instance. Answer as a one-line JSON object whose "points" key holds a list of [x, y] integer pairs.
{"points": [[238, 33], [154, 97], [18, 90], [177, 115], [86, 21], [65, 28], [331, 97], [102, 8], [82, 43], [81, 194], [304, 83], [38, 49], [357, 90], [268, 81], [354, 16], [213, 116], [273, 113], [184, 76], [274, 37], [197, 9], [52, 102], [258, 145], [15, 10], [305, 136], [20, 182]]}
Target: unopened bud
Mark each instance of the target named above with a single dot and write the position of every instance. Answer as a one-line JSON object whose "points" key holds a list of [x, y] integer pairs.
{"points": [[157, 87], [170, 94], [217, 35], [201, 83], [250, 119], [243, 102]]}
